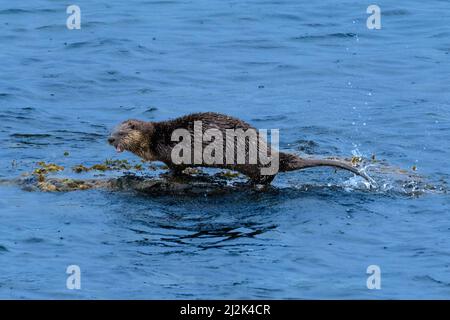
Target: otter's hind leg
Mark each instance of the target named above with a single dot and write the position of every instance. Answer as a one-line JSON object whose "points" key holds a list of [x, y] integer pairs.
{"points": [[259, 179], [262, 180]]}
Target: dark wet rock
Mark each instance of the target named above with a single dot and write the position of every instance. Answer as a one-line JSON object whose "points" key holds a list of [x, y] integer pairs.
{"points": [[164, 184], [195, 182]]}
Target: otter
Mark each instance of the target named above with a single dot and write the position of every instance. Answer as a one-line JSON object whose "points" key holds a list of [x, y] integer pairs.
{"points": [[153, 141]]}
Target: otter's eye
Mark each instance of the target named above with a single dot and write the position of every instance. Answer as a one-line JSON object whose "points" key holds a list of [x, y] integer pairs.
{"points": [[132, 126]]}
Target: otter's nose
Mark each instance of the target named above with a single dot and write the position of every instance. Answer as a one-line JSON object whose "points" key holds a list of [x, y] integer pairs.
{"points": [[111, 140]]}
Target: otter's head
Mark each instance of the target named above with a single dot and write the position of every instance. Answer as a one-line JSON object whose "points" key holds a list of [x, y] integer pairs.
{"points": [[133, 136]]}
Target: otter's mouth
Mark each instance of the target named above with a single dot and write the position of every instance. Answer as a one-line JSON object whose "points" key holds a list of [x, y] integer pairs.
{"points": [[119, 149], [116, 144]]}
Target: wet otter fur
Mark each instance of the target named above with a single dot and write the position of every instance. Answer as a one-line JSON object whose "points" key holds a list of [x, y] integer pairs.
{"points": [[152, 141]]}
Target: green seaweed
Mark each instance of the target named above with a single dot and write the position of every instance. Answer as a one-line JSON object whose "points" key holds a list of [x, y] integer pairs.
{"points": [[229, 175], [44, 169], [80, 168], [107, 165]]}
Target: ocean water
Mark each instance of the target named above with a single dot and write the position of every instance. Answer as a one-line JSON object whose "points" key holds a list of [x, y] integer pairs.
{"points": [[309, 68]]}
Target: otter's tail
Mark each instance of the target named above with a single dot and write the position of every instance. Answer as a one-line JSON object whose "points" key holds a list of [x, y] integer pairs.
{"points": [[291, 162]]}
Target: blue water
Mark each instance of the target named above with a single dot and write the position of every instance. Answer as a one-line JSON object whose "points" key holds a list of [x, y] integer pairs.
{"points": [[309, 68]]}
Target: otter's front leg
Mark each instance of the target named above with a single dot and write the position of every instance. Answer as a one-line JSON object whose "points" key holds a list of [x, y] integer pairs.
{"points": [[176, 170]]}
